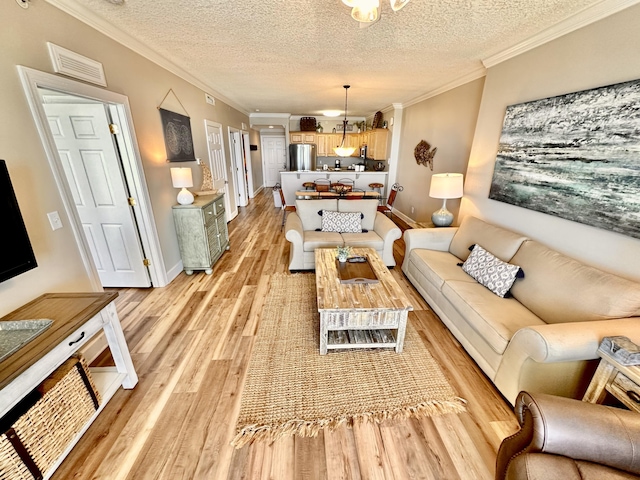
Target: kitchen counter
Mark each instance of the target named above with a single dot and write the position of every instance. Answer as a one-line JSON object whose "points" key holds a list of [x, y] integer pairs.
{"points": [[292, 181]]}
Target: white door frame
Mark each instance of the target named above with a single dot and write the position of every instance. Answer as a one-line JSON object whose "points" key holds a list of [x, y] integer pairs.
{"points": [[131, 162], [247, 155], [238, 170]]}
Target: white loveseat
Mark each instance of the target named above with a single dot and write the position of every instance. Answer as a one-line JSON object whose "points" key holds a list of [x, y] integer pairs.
{"points": [[303, 231], [544, 338]]}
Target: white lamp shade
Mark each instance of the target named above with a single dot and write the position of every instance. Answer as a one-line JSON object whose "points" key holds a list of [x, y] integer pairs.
{"points": [[446, 185], [181, 177]]}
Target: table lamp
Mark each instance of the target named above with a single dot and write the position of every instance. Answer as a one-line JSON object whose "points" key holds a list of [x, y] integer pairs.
{"points": [[445, 185], [181, 178]]}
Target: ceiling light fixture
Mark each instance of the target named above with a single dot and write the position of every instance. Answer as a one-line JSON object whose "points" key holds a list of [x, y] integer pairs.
{"points": [[331, 113], [368, 11], [342, 150]]}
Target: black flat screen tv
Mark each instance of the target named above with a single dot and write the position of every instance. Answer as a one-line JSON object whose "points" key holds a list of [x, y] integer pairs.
{"points": [[16, 254]]}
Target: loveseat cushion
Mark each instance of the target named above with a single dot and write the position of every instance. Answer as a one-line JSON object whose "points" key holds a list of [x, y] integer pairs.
{"points": [[365, 239], [308, 210], [438, 266], [495, 319], [368, 208], [560, 289], [313, 240], [502, 243]]}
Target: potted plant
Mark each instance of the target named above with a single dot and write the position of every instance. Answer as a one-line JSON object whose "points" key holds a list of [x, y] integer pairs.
{"points": [[343, 252]]}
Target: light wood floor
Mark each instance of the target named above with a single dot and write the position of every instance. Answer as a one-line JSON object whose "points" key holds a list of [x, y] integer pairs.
{"points": [[191, 342]]}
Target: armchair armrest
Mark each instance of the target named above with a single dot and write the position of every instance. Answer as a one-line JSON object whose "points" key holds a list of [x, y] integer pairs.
{"points": [[574, 429]]}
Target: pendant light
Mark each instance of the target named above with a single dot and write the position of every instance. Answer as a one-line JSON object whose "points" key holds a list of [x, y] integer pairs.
{"points": [[368, 11], [342, 150]]}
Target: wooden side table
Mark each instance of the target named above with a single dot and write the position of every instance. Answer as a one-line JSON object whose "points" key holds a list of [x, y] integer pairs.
{"points": [[621, 381]]}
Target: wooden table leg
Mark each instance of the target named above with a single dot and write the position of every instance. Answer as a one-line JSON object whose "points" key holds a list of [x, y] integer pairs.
{"points": [[324, 334], [596, 391]]}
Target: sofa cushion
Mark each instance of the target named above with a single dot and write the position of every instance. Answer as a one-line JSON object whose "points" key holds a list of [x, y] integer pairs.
{"points": [[502, 243], [560, 289], [313, 240], [365, 239], [308, 210], [495, 319], [367, 207], [490, 271], [438, 266]]}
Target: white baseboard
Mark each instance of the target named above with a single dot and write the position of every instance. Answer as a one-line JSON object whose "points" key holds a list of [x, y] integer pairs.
{"points": [[174, 271], [404, 218], [258, 190]]}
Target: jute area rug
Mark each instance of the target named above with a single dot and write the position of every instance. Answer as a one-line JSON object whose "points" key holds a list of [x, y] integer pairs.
{"points": [[291, 389]]}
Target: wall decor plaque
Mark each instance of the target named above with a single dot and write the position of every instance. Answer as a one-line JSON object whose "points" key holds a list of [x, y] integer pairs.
{"points": [[178, 139], [575, 156]]}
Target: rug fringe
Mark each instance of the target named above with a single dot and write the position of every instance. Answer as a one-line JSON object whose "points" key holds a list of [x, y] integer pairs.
{"points": [[252, 433]]}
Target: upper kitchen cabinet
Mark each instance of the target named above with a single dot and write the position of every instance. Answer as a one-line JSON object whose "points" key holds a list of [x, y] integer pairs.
{"points": [[302, 137], [327, 141], [376, 141]]}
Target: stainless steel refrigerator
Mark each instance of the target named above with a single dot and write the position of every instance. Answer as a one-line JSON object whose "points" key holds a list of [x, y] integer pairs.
{"points": [[302, 156]]}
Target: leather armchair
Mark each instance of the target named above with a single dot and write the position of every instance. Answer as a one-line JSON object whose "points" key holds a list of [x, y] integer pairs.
{"points": [[562, 438]]}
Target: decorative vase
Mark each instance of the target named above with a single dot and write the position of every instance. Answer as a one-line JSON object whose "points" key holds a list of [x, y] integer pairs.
{"points": [[342, 258]]}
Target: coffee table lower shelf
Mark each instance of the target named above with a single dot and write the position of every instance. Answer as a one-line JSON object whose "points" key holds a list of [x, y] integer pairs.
{"points": [[377, 338]]}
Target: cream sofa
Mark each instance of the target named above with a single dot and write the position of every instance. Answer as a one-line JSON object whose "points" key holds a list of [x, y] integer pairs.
{"points": [[545, 337], [303, 225]]}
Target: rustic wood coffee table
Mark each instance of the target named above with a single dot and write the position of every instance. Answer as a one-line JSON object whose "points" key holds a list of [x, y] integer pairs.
{"points": [[369, 315]]}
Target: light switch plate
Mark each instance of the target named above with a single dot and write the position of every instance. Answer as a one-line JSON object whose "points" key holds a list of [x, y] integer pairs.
{"points": [[54, 220]]}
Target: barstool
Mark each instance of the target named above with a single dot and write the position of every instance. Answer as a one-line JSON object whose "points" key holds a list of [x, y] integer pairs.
{"points": [[378, 187], [309, 185]]}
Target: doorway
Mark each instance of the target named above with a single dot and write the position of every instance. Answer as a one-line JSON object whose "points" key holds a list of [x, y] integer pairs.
{"points": [[238, 167], [107, 176], [274, 158], [246, 151], [218, 163]]}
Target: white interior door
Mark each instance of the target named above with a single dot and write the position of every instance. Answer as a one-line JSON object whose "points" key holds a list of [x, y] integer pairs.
{"points": [[217, 162], [274, 155], [92, 168], [246, 153], [237, 162]]}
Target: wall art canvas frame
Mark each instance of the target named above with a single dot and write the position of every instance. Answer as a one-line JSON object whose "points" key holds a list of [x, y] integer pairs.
{"points": [[575, 156], [178, 139]]}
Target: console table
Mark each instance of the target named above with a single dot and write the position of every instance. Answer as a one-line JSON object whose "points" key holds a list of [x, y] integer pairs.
{"points": [[77, 317]]}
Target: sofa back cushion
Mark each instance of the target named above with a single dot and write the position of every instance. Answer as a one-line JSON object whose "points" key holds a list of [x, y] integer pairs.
{"points": [[368, 208], [308, 210], [560, 289], [498, 241]]}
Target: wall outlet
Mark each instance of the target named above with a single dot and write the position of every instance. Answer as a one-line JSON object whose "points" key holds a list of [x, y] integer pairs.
{"points": [[54, 220], [413, 210], [209, 98]]}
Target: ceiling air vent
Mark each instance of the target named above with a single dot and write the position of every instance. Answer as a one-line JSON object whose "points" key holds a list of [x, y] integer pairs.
{"points": [[75, 65]]}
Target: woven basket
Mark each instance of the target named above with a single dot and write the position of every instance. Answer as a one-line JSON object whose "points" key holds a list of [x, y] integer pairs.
{"points": [[307, 124], [55, 412]]}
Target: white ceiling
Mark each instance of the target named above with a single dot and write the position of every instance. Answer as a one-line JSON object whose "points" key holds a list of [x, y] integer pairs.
{"points": [[293, 56]]}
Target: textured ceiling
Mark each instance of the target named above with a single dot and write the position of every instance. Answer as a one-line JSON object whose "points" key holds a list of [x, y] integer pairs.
{"points": [[293, 56]]}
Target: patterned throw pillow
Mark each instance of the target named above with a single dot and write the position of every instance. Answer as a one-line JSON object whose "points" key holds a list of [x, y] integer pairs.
{"points": [[490, 271], [341, 222]]}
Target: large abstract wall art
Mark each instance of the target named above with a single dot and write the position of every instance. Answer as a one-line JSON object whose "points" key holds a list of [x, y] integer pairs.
{"points": [[576, 156]]}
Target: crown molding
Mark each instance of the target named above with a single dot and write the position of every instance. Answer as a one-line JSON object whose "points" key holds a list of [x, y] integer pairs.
{"points": [[270, 115], [476, 73], [88, 17], [581, 19]]}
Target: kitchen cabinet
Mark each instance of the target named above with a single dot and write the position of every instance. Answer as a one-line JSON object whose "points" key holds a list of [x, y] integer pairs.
{"points": [[377, 143], [202, 232], [302, 137], [326, 142]]}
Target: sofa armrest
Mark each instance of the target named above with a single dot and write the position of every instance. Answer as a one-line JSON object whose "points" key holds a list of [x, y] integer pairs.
{"points": [[565, 342], [574, 429], [386, 229], [293, 228], [553, 358], [429, 238]]}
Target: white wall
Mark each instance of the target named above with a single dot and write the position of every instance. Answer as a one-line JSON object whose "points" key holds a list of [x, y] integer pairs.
{"points": [[600, 54]]}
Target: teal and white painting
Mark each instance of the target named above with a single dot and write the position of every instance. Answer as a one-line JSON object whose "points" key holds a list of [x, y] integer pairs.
{"points": [[576, 156]]}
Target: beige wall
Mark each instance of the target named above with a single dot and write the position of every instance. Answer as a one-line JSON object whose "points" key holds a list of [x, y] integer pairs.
{"points": [[600, 54], [448, 122], [23, 36], [256, 160]]}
